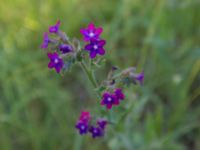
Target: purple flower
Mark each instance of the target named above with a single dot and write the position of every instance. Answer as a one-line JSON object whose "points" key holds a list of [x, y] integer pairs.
{"points": [[119, 94], [85, 116], [55, 61], [46, 41], [102, 123], [109, 99], [95, 47], [65, 48], [82, 127], [91, 32], [96, 131], [54, 28], [140, 77]]}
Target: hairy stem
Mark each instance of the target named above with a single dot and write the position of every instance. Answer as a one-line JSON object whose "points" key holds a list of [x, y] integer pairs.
{"points": [[90, 75]]}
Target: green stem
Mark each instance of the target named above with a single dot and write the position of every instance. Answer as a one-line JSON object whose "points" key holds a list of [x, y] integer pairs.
{"points": [[90, 75]]}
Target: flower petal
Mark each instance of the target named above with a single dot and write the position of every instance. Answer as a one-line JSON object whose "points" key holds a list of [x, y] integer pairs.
{"points": [[116, 102], [82, 31], [99, 31], [57, 68], [91, 26], [106, 94], [50, 65], [88, 47], [101, 51], [93, 54], [102, 42], [109, 106], [55, 28], [86, 38], [102, 102], [49, 55]]}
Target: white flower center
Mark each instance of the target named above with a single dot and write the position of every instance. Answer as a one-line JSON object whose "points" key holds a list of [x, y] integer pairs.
{"points": [[91, 34], [82, 127], [95, 47], [56, 61], [109, 99]]}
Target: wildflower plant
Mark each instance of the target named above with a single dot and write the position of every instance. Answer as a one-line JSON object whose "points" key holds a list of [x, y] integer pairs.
{"points": [[64, 52]]}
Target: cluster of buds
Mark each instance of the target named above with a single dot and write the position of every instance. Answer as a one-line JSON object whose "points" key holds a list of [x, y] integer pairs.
{"points": [[63, 52], [84, 125], [131, 77]]}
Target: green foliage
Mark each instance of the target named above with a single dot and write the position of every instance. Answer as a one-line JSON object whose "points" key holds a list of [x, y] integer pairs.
{"points": [[38, 108]]}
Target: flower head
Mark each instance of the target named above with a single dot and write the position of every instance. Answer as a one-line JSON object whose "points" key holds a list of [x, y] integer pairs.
{"points": [[140, 77], [55, 62], [91, 32], [65, 48], [95, 47], [119, 94], [46, 41], [96, 131], [102, 123], [82, 127], [54, 28], [85, 116], [109, 99]]}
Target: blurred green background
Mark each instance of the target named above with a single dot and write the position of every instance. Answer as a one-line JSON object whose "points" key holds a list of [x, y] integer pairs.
{"points": [[38, 108]]}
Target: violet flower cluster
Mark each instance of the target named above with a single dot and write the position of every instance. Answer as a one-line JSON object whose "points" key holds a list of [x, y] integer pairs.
{"points": [[59, 47], [63, 53], [92, 35], [84, 125]]}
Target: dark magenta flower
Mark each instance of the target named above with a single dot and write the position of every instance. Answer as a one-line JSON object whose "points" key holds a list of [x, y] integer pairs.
{"points": [[109, 99], [140, 77], [102, 123], [119, 94], [95, 47], [46, 41], [82, 127], [54, 28], [65, 48], [55, 61], [91, 32], [96, 131], [85, 116]]}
